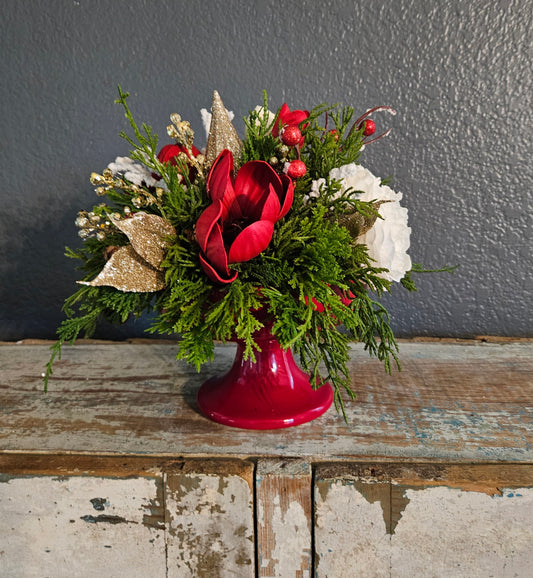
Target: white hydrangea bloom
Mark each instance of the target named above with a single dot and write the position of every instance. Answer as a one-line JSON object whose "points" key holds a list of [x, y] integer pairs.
{"points": [[388, 240], [133, 172]]}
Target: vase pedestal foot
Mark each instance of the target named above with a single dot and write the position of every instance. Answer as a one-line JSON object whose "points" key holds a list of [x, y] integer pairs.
{"points": [[271, 392]]}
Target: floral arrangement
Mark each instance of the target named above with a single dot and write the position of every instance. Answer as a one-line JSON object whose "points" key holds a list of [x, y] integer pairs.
{"points": [[285, 222]]}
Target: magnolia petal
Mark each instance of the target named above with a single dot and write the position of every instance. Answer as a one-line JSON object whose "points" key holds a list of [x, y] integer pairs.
{"points": [[170, 152], [288, 187], [206, 222], [127, 271], [271, 208], [284, 110], [214, 275], [220, 183], [252, 182], [148, 235], [253, 240], [215, 251]]}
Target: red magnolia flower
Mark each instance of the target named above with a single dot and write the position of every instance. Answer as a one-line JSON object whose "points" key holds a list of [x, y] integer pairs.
{"points": [[170, 152], [239, 223], [286, 117]]}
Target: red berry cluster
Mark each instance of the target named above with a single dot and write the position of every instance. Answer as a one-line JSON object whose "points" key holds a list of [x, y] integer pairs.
{"points": [[287, 129], [291, 136]]}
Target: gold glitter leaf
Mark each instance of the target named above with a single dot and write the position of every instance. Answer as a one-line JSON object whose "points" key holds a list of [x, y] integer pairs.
{"points": [[222, 134], [148, 235], [128, 271]]}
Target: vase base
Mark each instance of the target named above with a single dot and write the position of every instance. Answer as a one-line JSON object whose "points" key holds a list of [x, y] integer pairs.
{"points": [[227, 402]]}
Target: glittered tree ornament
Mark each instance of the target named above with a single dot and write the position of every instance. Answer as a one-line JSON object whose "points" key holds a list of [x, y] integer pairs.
{"points": [[137, 267], [222, 134]]}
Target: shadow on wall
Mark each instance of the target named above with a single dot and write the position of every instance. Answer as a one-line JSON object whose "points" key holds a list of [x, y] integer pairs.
{"points": [[37, 278]]}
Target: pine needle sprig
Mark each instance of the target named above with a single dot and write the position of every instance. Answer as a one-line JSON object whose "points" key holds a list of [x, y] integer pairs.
{"points": [[145, 145]]}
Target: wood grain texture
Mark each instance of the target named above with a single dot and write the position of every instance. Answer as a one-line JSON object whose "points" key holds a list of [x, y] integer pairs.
{"points": [[451, 402], [284, 518]]}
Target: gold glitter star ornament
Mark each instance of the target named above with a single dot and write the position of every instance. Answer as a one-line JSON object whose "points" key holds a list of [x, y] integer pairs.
{"points": [[137, 267]]}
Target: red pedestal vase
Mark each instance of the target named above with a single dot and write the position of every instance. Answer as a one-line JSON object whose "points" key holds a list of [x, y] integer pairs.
{"points": [[271, 392]]}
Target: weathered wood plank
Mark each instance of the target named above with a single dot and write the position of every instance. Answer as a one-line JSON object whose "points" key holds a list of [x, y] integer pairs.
{"points": [[77, 515], [210, 520], [451, 402], [419, 521], [284, 518], [81, 526]]}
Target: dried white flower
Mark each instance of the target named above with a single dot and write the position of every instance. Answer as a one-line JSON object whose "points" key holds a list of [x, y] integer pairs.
{"points": [[315, 188], [134, 172]]}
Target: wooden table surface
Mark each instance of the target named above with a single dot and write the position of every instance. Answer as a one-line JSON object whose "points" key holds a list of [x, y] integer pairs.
{"points": [[452, 402]]}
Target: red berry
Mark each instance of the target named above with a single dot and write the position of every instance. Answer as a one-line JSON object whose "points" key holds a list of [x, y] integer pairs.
{"points": [[334, 134], [290, 135], [369, 127], [297, 169]]}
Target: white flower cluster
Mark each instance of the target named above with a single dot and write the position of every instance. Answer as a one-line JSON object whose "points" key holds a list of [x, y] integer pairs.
{"points": [[388, 240], [134, 172]]}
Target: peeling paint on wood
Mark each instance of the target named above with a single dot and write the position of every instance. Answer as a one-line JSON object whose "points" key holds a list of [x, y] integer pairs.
{"points": [[350, 533], [210, 521], [284, 526], [195, 518], [447, 532], [486, 478], [49, 527], [366, 523]]}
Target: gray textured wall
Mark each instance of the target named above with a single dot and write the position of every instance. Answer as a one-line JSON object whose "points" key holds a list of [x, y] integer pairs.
{"points": [[458, 72]]}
